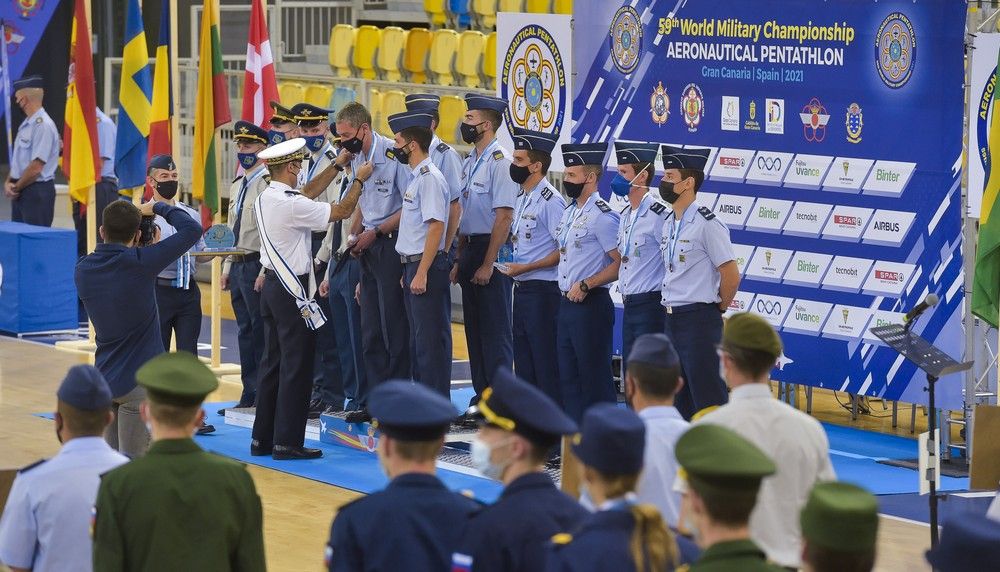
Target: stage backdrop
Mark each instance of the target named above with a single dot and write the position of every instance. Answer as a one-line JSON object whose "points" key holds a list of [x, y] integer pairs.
{"points": [[835, 130], [982, 86]]}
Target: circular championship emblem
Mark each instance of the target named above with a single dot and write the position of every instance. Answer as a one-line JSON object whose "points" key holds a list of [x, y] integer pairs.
{"points": [[27, 8], [626, 39], [895, 50], [534, 81], [692, 106], [659, 104]]}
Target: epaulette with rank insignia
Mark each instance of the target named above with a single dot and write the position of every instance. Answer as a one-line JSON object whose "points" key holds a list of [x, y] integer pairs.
{"points": [[424, 170], [603, 206], [562, 538], [38, 120], [658, 208], [31, 466], [443, 147], [238, 178], [546, 193], [706, 212], [498, 154], [389, 154]]}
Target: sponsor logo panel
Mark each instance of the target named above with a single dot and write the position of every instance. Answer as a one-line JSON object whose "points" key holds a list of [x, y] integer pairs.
{"points": [[774, 309], [768, 215], [888, 178], [733, 209], [888, 228], [730, 113], [846, 274], [707, 200], [846, 175], [846, 322], [882, 318], [847, 223], [807, 268], [775, 118], [888, 278], [741, 303], [768, 264], [807, 171], [731, 164], [807, 317], [769, 168], [807, 219], [743, 253]]}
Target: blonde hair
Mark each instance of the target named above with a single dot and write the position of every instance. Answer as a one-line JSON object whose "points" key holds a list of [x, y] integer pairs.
{"points": [[652, 544]]}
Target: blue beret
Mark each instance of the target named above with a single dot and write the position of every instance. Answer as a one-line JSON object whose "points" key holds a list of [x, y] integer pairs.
{"points": [[246, 131], [628, 152], [529, 140], [162, 162], [306, 112], [410, 411], [968, 542], [674, 158], [424, 101], [281, 114], [611, 440], [475, 101], [513, 404], [584, 154], [655, 350], [29, 81], [407, 119], [85, 388]]}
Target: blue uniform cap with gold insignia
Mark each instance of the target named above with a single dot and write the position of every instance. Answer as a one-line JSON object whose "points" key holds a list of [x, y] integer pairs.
{"points": [[694, 159], [513, 404], [281, 114], [476, 101], [612, 440], [407, 119], [628, 152], [85, 388], [162, 162], [422, 101], [410, 411], [178, 378], [309, 114], [654, 350], [529, 140], [246, 131], [584, 154], [29, 81]]}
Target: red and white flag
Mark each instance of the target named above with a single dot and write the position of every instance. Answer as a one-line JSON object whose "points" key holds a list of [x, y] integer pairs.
{"points": [[259, 85]]}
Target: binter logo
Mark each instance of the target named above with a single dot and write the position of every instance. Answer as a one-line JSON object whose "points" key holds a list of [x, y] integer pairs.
{"points": [[847, 220]]}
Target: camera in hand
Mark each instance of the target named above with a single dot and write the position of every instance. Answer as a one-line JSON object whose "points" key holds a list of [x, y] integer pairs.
{"points": [[147, 230]]}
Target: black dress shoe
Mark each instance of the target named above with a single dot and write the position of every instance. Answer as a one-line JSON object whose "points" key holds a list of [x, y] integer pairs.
{"points": [[205, 429], [315, 408], [257, 449], [286, 453], [359, 416]]}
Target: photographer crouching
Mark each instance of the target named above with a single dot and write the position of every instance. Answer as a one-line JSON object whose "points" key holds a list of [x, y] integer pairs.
{"points": [[117, 283]]}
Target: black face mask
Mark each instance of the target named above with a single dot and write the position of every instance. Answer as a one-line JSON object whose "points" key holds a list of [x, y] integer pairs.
{"points": [[402, 155], [519, 174], [667, 192], [469, 132], [573, 190], [353, 145], [166, 189]]}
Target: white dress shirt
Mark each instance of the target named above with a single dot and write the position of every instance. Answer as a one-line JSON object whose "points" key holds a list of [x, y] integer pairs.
{"points": [[799, 448], [289, 220], [664, 426]]}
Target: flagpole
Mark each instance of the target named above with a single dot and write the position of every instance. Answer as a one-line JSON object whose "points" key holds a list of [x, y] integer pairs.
{"points": [[216, 286]]}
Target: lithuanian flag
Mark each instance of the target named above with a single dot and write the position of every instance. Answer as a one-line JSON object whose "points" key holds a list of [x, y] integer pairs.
{"points": [[986, 280], [211, 111], [81, 157]]}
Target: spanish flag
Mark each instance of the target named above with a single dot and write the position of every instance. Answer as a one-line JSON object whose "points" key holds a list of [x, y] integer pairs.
{"points": [[161, 114], [81, 157], [133, 105], [211, 111], [986, 280]]}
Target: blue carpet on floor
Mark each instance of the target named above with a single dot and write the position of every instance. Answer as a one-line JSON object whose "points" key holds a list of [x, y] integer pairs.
{"points": [[916, 507]]}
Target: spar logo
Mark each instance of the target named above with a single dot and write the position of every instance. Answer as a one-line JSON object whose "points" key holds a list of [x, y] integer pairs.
{"points": [[847, 220], [889, 276], [731, 161], [738, 305]]}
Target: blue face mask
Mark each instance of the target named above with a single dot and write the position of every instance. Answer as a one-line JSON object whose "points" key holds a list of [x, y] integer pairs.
{"points": [[621, 186], [247, 160], [315, 142], [275, 137]]}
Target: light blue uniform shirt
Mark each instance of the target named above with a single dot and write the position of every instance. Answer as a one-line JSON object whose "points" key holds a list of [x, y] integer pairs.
{"points": [[106, 133], [586, 234], [640, 233], [37, 138], [426, 199], [382, 194], [449, 162], [46, 524], [664, 426], [182, 271], [536, 218], [698, 244], [488, 186], [317, 163]]}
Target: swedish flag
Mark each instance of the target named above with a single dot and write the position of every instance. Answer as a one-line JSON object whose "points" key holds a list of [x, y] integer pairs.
{"points": [[134, 104]]}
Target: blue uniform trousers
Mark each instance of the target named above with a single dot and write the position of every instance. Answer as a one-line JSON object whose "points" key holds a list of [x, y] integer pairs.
{"points": [[246, 305], [328, 385], [536, 311], [696, 331], [584, 339], [642, 314], [385, 334], [430, 325], [487, 313], [286, 369], [345, 316], [180, 314], [35, 205]]}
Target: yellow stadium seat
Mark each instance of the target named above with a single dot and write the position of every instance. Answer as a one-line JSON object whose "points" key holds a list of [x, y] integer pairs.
{"points": [[318, 94], [490, 60], [390, 102], [374, 105], [390, 49], [562, 6], [442, 54], [510, 6], [291, 92], [452, 111], [537, 6], [366, 42], [436, 11], [470, 51], [418, 43], [485, 13], [341, 45]]}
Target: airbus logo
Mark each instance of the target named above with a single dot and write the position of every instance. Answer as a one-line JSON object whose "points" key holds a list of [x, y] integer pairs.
{"points": [[886, 226], [731, 209]]}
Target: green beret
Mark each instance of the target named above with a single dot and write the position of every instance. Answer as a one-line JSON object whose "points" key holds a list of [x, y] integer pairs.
{"points": [[841, 517], [176, 379], [751, 332], [719, 462]]}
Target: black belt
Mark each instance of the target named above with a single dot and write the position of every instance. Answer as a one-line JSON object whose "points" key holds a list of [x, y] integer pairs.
{"points": [[641, 297], [169, 283], [109, 180], [319, 235], [474, 238], [416, 257], [688, 307], [247, 257], [268, 273]]}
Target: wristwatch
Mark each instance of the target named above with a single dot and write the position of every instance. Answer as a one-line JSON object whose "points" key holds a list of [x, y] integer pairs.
{"points": [[583, 286]]}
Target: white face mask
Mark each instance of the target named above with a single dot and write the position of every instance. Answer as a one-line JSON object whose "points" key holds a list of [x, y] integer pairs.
{"points": [[480, 452]]}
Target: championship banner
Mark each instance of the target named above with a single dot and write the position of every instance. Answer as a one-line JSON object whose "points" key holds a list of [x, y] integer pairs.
{"points": [[24, 22], [982, 85], [534, 68], [835, 132]]}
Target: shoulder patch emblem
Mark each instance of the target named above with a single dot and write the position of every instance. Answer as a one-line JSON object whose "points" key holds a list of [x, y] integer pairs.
{"points": [[424, 170], [546, 193], [498, 154], [562, 538], [603, 206], [38, 120], [31, 466], [706, 212], [390, 154], [443, 147], [658, 208]]}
